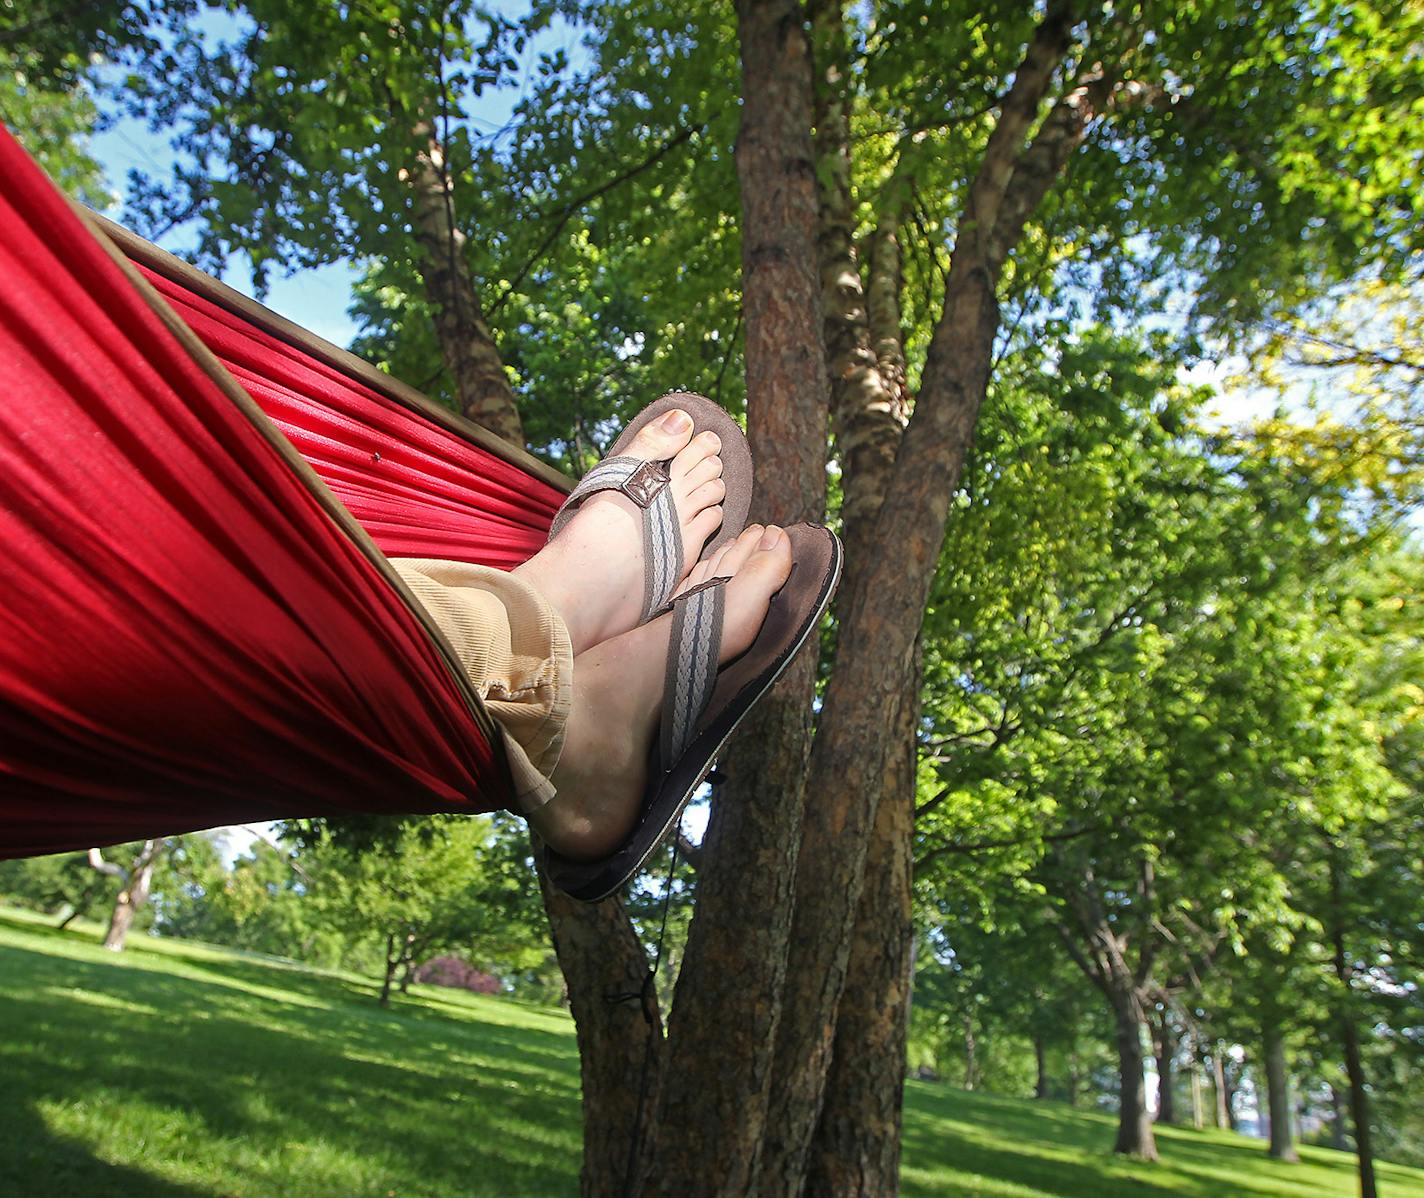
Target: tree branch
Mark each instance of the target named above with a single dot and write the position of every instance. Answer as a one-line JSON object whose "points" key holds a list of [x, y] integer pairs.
{"points": [[567, 211]]}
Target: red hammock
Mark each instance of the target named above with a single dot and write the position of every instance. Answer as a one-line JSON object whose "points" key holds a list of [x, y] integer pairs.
{"points": [[195, 629]]}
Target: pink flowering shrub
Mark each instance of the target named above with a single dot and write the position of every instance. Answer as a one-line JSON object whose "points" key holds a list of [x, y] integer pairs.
{"points": [[458, 974]]}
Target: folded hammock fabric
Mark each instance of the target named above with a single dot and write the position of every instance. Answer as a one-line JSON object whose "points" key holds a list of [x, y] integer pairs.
{"points": [[198, 625]]}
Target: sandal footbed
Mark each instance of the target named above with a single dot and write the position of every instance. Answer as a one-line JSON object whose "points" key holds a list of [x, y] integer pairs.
{"points": [[795, 613]]}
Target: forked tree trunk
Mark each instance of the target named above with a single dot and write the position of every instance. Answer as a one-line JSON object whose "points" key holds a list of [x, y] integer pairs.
{"points": [[1278, 1101], [881, 611]]}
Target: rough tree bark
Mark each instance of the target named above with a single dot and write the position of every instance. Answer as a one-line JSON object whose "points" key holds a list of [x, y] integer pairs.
{"points": [[880, 612], [1040, 1067], [620, 1040], [726, 1008], [856, 1149], [856, 1145], [466, 344], [135, 880], [599, 952], [1278, 1100]]}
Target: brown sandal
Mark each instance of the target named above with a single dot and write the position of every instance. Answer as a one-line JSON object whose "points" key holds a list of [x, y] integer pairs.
{"points": [[703, 705], [646, 484]]}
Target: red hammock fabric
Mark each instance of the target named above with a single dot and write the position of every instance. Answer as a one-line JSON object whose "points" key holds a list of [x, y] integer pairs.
{"points": [[188, 637]]}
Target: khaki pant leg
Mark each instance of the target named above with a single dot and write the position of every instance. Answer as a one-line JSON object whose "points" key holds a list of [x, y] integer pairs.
{"points": [[516, 653]]}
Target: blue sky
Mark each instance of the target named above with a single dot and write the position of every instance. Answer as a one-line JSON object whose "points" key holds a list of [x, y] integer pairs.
{"points": [[316, 299]]}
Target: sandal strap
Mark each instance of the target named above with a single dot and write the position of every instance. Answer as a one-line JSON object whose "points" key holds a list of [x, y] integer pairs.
{"points": [[693, 647], [646, 484]]}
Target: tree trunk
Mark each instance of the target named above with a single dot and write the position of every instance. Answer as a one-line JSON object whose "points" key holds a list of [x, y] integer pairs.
{"points": [[1040, 1067], [134, 893], [856, 1149], [1222, 1115], [1134, 1128], [1198, 1115], [1074, 1079], [881, 611], [620, 1041], [1278, 1103], [466, 344], [120, 921], [392, 962], [1350, 1036], [1165, 1048], [1339, 1139], [971, 1057], [1359, 1108], [727, 1008]]}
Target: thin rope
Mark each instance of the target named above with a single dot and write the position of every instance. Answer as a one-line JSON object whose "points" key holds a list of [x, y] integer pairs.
{"points": [[647, 996]]}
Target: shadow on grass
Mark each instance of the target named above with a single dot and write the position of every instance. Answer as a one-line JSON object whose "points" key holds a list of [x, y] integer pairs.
{"points": [[254, 1055], [67, 1166]]}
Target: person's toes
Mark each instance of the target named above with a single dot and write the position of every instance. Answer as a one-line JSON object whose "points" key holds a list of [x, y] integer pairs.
{"points": [[739, 552], [706, 444], [763, 573], [663, 438], [702, 526], [704, 470], [708, 494]]}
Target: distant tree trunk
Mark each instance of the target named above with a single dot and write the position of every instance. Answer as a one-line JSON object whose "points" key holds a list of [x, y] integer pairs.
{"points": [[1165, 1049], [392, 963], [1350, 1036], [1222, 1115], [1198, 1115], [1134, 1126], [1278, 1103], [1232, 1078], [135, 880], [466, 343], [1040, 1067], [1359, 1108], [1339, 1137], [1074, 1078]]}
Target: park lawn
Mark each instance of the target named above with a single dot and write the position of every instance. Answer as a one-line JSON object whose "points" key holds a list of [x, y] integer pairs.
{"points": [[178, 1069]]}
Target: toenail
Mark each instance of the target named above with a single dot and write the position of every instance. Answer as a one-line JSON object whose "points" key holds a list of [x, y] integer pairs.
{"points": [[712, 439], [770, 537], [677, 421]]}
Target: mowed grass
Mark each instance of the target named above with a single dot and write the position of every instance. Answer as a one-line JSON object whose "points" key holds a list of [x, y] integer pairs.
{"points": [[180, 1069]]}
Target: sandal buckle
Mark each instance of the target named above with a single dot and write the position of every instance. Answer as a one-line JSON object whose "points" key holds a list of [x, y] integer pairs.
{"points": [[643, 485]]}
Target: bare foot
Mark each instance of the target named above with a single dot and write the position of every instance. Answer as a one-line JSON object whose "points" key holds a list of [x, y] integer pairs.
{"points": [[618, 694], [592, 572]]}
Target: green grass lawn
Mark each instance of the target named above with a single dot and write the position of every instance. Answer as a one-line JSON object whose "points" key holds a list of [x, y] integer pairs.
{"points": [[176, 1069]]}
